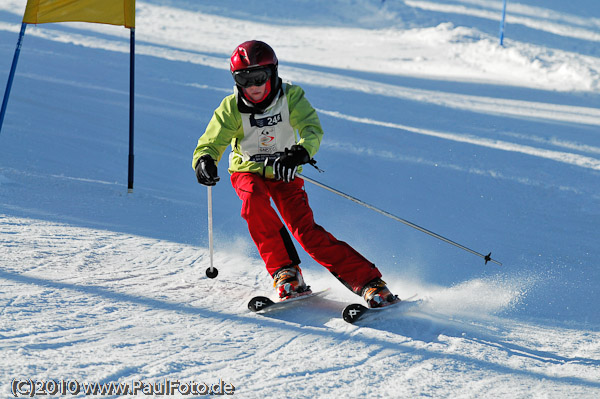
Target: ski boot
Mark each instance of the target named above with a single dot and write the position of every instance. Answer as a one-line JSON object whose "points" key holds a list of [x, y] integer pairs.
{"points": [[289, 282], [377, 295]]}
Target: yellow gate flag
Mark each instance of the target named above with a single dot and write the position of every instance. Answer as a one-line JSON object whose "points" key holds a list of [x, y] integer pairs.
{"points": [[113, 12]]}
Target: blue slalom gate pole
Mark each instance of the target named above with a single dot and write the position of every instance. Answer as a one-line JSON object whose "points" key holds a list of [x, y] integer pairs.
{"points": [[131, 108], [11, 75], [502, 23]]}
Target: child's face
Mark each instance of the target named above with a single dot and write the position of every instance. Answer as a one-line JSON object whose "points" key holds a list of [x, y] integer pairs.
{"points": [[255, 93]]}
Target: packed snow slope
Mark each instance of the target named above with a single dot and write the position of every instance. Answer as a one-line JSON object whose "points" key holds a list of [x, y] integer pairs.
{"points": [[426, 117]]}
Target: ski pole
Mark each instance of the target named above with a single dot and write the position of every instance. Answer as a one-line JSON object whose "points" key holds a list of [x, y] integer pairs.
{"points": [[212, 271], [487, 257]]}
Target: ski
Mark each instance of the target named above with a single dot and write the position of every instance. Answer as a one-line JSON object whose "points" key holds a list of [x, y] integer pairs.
{"points": [[261, 304], [356, 311]]}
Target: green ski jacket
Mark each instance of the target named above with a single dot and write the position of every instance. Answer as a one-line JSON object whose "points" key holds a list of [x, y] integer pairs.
{"points": [[255, 138]]}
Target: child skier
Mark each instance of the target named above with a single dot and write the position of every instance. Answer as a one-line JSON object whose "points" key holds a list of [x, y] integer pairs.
{"points": [[273, 130]]}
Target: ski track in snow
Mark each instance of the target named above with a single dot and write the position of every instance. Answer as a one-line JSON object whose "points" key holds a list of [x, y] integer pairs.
{"points": [[487, 105], [574, 159], [111, 299], [534, 17]]}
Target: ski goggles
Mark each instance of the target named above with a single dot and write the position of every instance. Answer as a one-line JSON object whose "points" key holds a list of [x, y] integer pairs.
{"points": [[252, 77]]}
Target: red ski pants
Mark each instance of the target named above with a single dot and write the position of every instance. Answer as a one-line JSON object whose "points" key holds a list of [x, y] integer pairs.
{"points": [[273, 241]]}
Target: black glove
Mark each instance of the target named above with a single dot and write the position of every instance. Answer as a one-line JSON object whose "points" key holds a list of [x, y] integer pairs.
{"points": [[285, 166], [206, 171]]}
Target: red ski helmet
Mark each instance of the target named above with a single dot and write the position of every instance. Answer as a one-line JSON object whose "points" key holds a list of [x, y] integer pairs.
{"points": [[254, 63], [252, 54]]}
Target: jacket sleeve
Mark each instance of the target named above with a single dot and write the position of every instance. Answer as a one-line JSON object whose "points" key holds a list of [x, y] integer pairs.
{"points": [[224, 127], [304, 119]]}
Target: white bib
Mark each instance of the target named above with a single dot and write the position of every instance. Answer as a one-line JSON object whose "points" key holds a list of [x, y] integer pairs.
{"points": [[267, 134]]}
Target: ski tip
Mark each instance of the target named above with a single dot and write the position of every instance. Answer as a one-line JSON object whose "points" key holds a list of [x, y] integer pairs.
{"points": [[259, 303], [262, 304], [353, 312]]}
